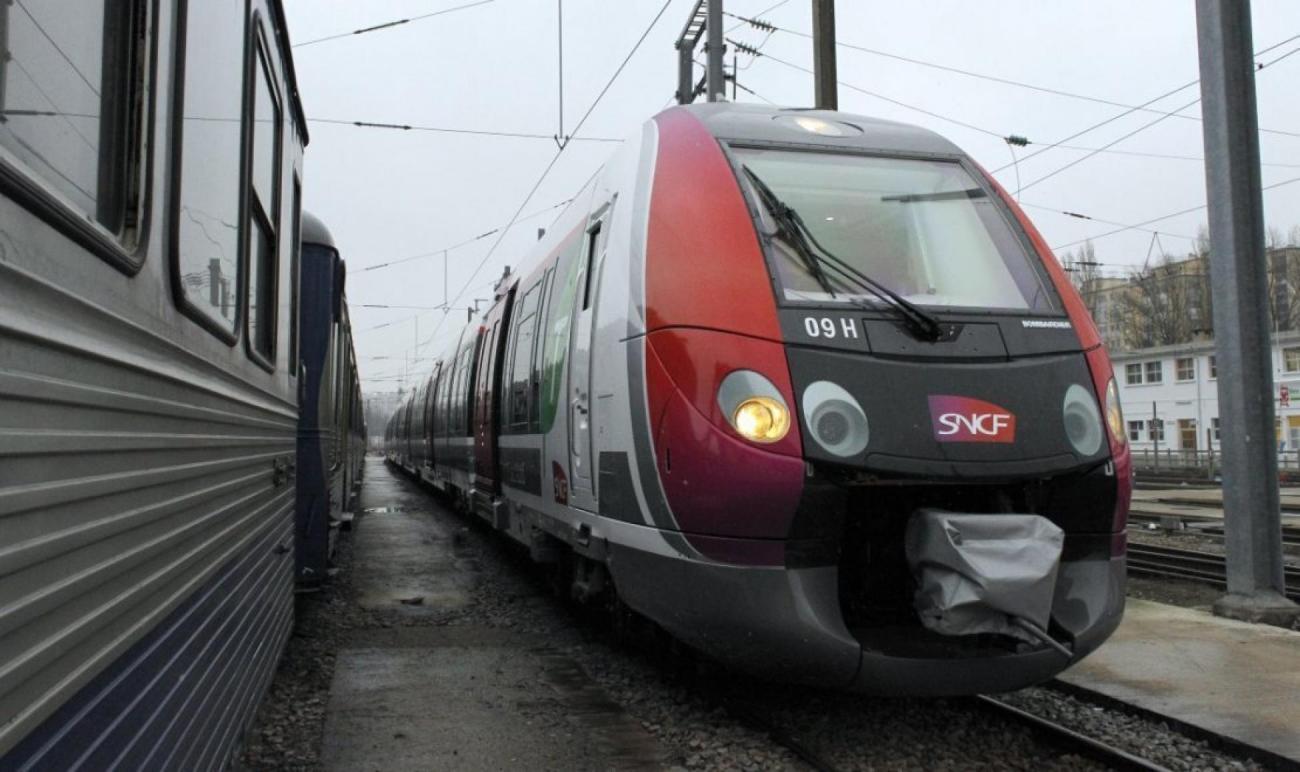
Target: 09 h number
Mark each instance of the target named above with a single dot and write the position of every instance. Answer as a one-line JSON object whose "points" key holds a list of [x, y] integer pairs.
{"points": [[825, 327]]}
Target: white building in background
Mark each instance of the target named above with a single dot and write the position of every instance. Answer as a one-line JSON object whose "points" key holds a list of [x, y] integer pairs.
{"points": [[1169, 395]]}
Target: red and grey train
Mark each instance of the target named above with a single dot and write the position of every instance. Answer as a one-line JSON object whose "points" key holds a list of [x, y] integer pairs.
{"points": [[759, 348]]}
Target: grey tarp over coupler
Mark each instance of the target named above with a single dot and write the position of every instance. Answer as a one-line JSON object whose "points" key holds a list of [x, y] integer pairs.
{"points": [[985, 573]]}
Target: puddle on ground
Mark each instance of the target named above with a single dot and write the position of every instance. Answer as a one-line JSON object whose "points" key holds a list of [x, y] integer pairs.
{"points": [[383, 510]]}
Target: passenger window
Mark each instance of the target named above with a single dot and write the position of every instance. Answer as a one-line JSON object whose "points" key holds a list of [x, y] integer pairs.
{"points": [[593, 244], [263, 210], [69, 88], [295, 256], [521, 358], [466, 397], [207, 219]]}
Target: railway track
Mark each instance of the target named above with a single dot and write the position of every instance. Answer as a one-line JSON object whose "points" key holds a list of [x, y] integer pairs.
{"points": [[1191, 565], [1062, 736], [1044, 730]]}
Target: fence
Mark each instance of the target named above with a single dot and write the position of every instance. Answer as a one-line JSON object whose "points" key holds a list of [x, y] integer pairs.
{"points": [[1203, 463]]}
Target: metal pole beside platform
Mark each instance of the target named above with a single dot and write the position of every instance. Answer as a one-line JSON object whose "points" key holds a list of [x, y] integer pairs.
{"points": [[1251, 506]]}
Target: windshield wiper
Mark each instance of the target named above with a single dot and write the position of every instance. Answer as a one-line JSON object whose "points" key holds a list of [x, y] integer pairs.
{"points": [[795, 232], [788, 229]]}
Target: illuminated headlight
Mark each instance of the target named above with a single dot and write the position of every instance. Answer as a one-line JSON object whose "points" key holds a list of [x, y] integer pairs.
{"points": [[1115, 416], [835, 420], [1082, 420], [754, 407]]}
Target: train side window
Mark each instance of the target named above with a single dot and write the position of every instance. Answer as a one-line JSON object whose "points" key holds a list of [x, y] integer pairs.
{"points": [[71, 107], [263, 209], [535, 382], [521, 359], [593, 244], [295, 259], [206, 207]]}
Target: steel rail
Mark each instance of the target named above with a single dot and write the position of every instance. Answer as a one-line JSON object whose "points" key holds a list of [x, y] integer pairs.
{"points": [[1062, 736], [1206, 567]]}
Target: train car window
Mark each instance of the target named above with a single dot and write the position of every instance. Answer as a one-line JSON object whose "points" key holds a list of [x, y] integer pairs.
{"points": [[593, 244], [464, 415], [521, 359], [535, 371], [206, 208], [263, 209], [295, 278], [924, 228], [70, 112]]}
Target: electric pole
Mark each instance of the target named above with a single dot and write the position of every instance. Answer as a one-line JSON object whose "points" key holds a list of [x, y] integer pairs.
{"points": [[704, 22], [826, 89], [714, 50], [1251, 506]]}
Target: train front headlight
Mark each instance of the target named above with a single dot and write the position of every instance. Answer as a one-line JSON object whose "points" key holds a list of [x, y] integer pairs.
{"points": [[761, 419], [1115, 416], [754, 407]]}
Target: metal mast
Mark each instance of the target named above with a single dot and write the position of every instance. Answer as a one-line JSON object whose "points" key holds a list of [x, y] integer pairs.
{"points": [[826, 89], [1251, 507], [704, 22]]}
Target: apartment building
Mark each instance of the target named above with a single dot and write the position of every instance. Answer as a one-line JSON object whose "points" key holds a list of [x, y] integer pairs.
{"points": [[1170, 395]]}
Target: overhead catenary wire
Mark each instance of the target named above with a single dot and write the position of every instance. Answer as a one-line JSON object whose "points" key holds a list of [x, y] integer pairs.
{"points": [[1005, 137], [766, 26], [1134, 132], [1147, 104], [1082, 216], [393, 23], [1140, 225], [447, 130], [460, 244], [549, 166], [882, 97]]}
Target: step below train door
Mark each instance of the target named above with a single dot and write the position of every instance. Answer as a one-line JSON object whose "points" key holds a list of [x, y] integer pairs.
{"points": [[582, 490]]}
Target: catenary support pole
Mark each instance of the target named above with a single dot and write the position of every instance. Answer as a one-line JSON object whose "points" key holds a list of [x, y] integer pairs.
{"points": [[685, 73], [715, 50], [825, 87], [1251, 508]]}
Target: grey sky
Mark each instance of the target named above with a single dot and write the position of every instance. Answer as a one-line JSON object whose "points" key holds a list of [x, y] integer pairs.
{"points": [[391, 194]]}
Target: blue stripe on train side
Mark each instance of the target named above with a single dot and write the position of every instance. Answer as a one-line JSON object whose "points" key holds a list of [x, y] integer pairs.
{"points": [[182, 696]]}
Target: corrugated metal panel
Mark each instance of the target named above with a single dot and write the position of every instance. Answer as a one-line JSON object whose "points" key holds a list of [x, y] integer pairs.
{"points": [[133, 475]]}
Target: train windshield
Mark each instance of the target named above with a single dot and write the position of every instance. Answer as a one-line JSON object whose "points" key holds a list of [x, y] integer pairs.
{"points": [[924, 229]]}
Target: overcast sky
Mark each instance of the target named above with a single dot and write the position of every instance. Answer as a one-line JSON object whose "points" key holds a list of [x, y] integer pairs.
{"points": [[387, 194]]}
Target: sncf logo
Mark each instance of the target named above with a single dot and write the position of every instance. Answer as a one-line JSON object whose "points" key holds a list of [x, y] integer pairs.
{"points": [[962, 419]]}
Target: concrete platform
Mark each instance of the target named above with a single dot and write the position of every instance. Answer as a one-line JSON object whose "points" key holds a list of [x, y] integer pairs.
{"points": [[433, 684], [1210, 498], [1228, 678]]}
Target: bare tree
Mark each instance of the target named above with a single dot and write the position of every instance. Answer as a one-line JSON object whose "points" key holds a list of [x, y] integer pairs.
{"points": [[1166, 303], [1085, 273], [1283, 284]]}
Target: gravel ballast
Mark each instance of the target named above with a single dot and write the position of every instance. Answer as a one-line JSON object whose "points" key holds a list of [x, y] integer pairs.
{"points": [[705, 717]]}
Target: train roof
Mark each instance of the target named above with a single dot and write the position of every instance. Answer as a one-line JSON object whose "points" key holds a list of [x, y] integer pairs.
{"points": [[314, 231], [825, 128]]}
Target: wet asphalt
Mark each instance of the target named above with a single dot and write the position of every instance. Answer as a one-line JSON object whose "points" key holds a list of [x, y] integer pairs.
{"points": [[445, 678]]}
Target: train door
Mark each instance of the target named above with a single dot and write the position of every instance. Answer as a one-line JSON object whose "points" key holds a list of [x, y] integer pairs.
{"points": [[430, 411], [582, 490]]}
